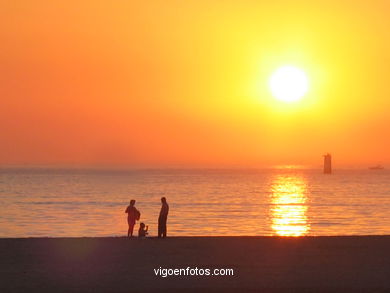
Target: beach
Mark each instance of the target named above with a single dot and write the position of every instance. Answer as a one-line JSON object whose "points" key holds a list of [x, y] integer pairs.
{"points": [[259, 264]]}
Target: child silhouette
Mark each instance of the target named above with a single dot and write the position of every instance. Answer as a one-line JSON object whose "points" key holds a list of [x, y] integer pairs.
{"points": [[142, 232]]}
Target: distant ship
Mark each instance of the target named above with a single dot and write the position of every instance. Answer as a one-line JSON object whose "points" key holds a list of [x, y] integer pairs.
{"points": [[377, 167]]}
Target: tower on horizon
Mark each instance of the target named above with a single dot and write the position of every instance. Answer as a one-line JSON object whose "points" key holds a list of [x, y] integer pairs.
{"points": [[327, 164]]}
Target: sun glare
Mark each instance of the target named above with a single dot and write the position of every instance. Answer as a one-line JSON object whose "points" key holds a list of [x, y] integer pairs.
{"points": [[289, 207], [289, 84]]}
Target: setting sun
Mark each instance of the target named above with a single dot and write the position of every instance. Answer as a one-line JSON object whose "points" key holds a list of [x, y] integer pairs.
{"points": [[221, 146], [289, 84]]}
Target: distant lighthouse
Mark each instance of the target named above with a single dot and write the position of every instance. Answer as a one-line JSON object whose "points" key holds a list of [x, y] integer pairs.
{"points": [[327, 164]]}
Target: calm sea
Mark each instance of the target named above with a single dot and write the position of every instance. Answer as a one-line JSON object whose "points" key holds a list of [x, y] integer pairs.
{"points": [[291, 202]]}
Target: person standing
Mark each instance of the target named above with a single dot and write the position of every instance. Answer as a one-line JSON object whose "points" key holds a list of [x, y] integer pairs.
{"points": [[162, 219], [133, 215]]}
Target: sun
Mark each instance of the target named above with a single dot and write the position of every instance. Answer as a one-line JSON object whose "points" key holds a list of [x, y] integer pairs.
{"points": [[289, 84]]}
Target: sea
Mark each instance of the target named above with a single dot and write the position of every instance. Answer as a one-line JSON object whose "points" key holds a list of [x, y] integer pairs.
{"points": [[54, 202]]}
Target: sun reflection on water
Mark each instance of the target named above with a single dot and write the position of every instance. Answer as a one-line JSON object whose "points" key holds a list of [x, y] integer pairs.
{"points": [[288, 206]]}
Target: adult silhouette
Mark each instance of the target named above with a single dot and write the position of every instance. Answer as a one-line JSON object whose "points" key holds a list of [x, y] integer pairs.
{"points": [[133, 215], [162, 219]]}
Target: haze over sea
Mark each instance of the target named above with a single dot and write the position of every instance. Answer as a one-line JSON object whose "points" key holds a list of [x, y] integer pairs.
{"points": [[291, 202]]}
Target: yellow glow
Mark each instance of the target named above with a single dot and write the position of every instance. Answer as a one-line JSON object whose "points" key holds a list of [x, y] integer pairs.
{"points": [[288, 84], [168, 83], [288, 213]]}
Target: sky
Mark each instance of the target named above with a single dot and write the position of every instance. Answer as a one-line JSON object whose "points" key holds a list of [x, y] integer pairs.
{"points": [[186, 83]]}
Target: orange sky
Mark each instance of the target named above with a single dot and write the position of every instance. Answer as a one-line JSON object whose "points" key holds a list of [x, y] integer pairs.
{"points": [[185, 83]]}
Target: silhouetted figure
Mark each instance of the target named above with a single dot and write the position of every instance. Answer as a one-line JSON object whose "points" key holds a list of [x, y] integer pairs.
{"points": [[162, 219], [142, 231], [132, 215]]}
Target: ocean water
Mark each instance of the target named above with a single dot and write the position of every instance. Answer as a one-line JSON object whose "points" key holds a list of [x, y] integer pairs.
{"points": [[287, 202]]}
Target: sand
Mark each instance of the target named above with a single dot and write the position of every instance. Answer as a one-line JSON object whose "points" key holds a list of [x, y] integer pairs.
{"points": [[260, 264]]}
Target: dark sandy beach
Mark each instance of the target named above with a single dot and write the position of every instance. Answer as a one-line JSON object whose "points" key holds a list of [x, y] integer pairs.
{"points": [[260, 264]]}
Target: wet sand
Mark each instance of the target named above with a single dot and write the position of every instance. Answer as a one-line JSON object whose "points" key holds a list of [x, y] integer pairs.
{"points": [[260, 264]]}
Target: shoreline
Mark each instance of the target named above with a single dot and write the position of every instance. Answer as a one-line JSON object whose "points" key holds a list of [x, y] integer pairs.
{"points": [[260, 263], [205, 236], [135, 238]]}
